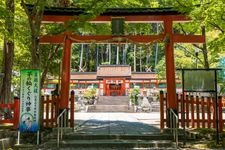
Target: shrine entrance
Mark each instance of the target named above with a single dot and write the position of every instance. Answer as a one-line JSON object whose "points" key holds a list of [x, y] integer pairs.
{"points": [[114, 87], [114, 78]]}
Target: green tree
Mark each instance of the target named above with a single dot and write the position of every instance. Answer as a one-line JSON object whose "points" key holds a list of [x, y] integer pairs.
{"points": [[34, 16], [209, 15], [8, 52]]}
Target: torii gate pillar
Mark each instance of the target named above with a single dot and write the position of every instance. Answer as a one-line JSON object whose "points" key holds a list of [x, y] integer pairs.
{"points": [[65, 76], [170, 65]]}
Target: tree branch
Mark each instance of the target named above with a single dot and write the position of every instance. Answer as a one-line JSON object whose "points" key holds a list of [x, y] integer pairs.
{"points": [[182, 29], [217, 26], [48, 62], [199, 47], [181, 4], [192, 54]]}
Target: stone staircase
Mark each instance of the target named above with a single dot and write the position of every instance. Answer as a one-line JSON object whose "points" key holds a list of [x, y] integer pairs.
{"points": [[7, 138], [112, 104], [75, 141]]}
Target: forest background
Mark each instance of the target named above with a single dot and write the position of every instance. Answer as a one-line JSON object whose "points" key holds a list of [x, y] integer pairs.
{"points": [[21, 29]]}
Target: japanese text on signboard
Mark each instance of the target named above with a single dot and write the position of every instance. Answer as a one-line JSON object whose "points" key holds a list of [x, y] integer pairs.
{"points": [[29, 100]]}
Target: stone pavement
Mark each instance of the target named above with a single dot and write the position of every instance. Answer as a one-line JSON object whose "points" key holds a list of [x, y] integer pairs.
{"points": [[117, 123]]}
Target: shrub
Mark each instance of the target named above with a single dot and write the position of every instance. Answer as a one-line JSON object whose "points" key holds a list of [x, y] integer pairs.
{"points": [[90, 93], [134, 96]]}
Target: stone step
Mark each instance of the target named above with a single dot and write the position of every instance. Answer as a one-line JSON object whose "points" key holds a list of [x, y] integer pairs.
{"points": [[113, 100], [150, 136], [114, 141], [111, 104], [106, 148], [26, 147], [153, 136], [116, 144], [5, 143], [7, 137], [110, 108]]}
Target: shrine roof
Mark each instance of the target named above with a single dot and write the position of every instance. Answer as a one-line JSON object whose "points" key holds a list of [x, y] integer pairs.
{"points": [[92, 76], [65, 11], [113, 71], [83, 76], [144, 76]]}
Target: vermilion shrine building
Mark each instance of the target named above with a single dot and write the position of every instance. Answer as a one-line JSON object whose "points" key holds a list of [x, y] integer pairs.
{"points": [[112, 80], [115, 80], [166, 16]]}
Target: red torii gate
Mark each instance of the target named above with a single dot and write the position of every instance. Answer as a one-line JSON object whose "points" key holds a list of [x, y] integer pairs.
{"points": [[132, 15]]}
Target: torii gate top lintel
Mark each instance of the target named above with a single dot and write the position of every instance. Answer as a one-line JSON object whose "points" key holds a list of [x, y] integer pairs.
{"points": [[165, 15], [130, 15], [62, 14]]}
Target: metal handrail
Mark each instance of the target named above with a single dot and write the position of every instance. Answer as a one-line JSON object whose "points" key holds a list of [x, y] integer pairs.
{"points": [[174, 125], [60, 125]]}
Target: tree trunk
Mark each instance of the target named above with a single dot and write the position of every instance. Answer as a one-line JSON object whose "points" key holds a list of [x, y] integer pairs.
{"points": [[106, 52], [140, 59], [125, 54], [35, 53], [35, 18], [117, 54], [7, 70], [102, 54], [81, 57], [48, 61], [97, 53], [113, 60], [110, 53], [35, 32], [156, 46], [204, 50], [8, 53], [87, 57], [135, 47]]}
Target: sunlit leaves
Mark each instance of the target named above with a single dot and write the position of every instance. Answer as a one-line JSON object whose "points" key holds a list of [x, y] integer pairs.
{"points": [[210, 14]]}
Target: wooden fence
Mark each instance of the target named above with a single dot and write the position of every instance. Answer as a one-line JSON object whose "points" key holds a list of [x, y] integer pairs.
{"points": [[49, 112], [50, 107], [199, 112], [10, 113]]}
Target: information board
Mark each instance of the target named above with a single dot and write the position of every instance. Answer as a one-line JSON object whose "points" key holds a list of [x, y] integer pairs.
{"points": [[29, 100], [199, 80]]}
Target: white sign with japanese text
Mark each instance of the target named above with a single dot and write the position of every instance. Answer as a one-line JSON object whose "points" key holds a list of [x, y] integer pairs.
{"points": [[29, 100]]}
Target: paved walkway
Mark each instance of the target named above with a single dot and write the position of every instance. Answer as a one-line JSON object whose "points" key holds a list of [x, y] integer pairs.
{"points": [[117, 123]]}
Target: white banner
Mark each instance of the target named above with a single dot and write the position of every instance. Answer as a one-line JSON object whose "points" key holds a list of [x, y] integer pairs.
{"points": [[29, 100]]}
